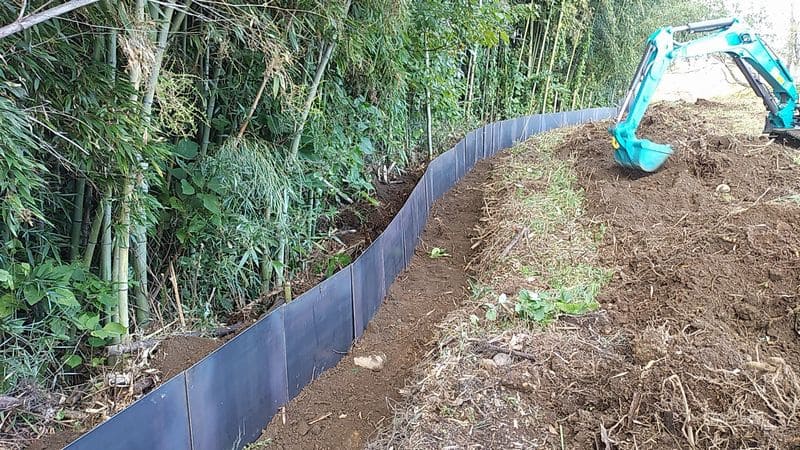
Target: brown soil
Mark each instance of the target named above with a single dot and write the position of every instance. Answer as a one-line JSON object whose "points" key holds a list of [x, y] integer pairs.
{"points": [[178, 353], [705, 292], [696, 344], [343, 408]]}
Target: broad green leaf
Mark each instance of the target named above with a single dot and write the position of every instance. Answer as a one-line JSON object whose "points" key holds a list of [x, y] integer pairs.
{"points": [[65, 298], [114, 328], [187, 188], [33, 294], [73, 361], [187, 149]]}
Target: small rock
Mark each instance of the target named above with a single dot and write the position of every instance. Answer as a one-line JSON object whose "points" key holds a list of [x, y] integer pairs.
{"points": [[502, 359], [372, 362], [342, 416], [723, 188]]}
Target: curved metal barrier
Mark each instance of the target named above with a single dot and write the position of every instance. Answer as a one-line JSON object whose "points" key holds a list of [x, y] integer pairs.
{"points": [[225, 400]]}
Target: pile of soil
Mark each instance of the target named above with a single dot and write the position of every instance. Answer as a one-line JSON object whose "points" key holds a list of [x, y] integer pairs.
{"points": [[707, 257], [343, 408], [697, 341], [177, 353]]}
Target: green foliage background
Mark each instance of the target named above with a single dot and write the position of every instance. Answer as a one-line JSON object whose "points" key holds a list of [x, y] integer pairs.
{"points": [[127, 134]]}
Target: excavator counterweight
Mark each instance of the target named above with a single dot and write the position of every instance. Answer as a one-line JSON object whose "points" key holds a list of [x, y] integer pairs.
{"points": [[765, 73]]}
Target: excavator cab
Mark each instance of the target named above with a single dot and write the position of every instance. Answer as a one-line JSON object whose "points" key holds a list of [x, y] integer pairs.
{"points": [[765, 73]]}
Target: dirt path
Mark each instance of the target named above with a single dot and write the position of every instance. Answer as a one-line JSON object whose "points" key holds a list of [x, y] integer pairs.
{"points": [[355, 401]]}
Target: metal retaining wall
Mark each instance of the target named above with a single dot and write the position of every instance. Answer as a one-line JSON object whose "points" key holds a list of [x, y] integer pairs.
{"points": [[225, 400]]}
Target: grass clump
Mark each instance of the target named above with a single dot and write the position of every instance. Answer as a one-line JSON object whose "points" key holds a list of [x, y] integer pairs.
{"points": [[540, 260]]}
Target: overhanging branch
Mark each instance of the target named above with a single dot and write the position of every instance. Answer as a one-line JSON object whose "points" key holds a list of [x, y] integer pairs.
{"points": [[23, 23]]}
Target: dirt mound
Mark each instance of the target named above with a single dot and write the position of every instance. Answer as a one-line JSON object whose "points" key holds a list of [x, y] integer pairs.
{"points": [[696, 344], [707, 252], [177, 353]]}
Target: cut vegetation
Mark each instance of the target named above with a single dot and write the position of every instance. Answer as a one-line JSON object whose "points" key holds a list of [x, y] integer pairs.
{"points": [[613, 310]]}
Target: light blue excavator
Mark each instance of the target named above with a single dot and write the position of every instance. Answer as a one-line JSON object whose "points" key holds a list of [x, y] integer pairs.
{"points": [[765, 73]]}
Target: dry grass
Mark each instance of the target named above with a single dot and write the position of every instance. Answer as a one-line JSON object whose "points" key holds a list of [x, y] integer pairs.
{"points": [[531, 240]]}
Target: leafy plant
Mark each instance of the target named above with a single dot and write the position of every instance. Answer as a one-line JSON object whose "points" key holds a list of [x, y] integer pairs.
{"points": [[437, 252], [544, 307]]}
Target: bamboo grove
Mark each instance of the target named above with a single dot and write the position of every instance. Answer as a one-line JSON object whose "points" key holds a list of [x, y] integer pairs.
{"points": [[175, 161]]}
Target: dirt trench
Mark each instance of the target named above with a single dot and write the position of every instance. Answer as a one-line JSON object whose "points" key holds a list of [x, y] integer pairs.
{"points": [[344, 407]]}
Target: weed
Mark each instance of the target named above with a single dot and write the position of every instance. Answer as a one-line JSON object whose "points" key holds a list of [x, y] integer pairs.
{"points": [[437, 252]]}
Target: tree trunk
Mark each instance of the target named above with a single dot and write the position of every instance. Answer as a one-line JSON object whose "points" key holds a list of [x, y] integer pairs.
{"points": [[312, 92]]}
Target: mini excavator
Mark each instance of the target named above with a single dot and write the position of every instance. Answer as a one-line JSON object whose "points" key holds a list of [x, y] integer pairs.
{"points": [[765, 73]]}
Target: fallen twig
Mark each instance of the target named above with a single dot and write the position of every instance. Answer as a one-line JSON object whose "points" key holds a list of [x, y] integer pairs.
{"points": [[320, 419]]}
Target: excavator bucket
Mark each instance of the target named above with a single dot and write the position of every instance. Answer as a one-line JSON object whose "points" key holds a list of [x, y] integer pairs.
{"points": [[635, 153]]}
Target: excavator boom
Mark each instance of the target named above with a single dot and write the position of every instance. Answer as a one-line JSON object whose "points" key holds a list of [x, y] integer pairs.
{"points": [[765, 73]]}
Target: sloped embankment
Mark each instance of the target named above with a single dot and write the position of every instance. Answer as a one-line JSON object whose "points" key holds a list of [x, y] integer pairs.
{"points": [[696, 271]]}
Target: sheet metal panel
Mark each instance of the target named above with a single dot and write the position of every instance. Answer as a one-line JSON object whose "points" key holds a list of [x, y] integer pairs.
{"points": [[234, 392], [469, 149], [507, 134], [319, 329], [368, 285], [487, 140], [519, 130], [551, 121], [410, 231], [443, 173], [586, 115], [479, 147], [461, 159], [160, 419], [393, 251], [496, 137], [532, 125], [419, 206], [572, 117]]}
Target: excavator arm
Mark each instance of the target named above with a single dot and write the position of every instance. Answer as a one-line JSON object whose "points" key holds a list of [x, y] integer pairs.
{"points": [[729, 36]]}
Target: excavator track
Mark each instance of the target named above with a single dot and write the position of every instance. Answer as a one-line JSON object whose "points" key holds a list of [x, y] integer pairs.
{"points": [[791, 134]]}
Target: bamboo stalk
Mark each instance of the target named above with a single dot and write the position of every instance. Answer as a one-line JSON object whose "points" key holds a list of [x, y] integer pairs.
{"points": [[77, 217], [556, 42], [312, 91], [94, 234], [255, 103]]}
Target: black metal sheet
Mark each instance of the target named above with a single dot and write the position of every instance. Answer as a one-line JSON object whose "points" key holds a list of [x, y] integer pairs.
{"points": [[368, 285], [443, 172], [410, 231], [319, 329], [160, 419], [571, 117], [234, 392], [551, 121], [479, 148], [530, 126], [461, 159], [506, 134], [496, 137], [519, 130], [487, 141], [419, 206], [469, 149], [393, 249], [586, 115]]}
